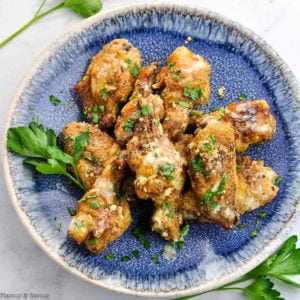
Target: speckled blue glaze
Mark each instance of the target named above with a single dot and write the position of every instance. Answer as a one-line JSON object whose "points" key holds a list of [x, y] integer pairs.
{"points": [[238, 63]]}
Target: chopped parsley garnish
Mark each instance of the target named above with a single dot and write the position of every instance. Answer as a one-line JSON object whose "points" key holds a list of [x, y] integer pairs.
{"points": [[90, 196], [171, 64], [243, 96], [80, 143], [183, 233], [55, 101], [277, 180], [196, 113], [128, 126], [109, 256], [136, 254], [78, 224], [221, 92], [262, 215], [207, 147], [133, 68], [154, 258], [91, 242], [199, 166], [95, 118], [117, 152], [193, 94], [176, 78], [93, 160], [253, 233], [212, 139], [167, 170], [184, 104], [169, 207], [125, 258], [145, 110], [140, 234], [72, 211], [102, 107], [242, 226], [155, 155], [130, 123], [215, 191], [104, 93], [94, 204]]}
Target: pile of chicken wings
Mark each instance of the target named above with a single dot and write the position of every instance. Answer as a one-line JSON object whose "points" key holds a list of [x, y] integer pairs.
{"points": [[143, 119]]}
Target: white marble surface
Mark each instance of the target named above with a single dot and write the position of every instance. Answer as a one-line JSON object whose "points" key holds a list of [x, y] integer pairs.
{"points": [[23, 266]]}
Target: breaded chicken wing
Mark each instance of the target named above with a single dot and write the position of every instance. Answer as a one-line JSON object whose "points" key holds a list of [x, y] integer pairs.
{"points": [[255, 184], [141, 102], [251, 119], [159, 172], [101, 151], [108, 81], [101, 216], [212, 170], [186, 84], [255, 187]]}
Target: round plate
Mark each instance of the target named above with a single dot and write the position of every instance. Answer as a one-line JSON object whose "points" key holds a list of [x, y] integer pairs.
{"points": [[241, 62]]}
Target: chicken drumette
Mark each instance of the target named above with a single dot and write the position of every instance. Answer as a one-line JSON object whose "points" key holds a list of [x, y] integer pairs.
{"points": [[101, 216], [140, 104], [255, 187], [159, 170], [108, 81], [186, 84], [252, 122], [212, 170]]}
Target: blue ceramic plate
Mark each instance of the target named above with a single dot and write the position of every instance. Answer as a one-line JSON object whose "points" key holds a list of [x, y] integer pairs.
{"points": [[241, 62]]}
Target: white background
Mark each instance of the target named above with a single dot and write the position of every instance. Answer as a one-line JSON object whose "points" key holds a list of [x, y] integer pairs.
{"points": [[23, 266]]}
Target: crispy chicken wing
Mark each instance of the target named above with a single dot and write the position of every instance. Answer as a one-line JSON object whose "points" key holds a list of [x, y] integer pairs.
{"points": [[101, 151], [134, 109], [186, 84], [212, 170], [108, 81], [255, 184], [101, 217], [159, 174], [252, 122], [255, 187]]}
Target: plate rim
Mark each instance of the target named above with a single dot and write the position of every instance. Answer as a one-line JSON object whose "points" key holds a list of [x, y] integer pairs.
{"points": [[73, 31]]}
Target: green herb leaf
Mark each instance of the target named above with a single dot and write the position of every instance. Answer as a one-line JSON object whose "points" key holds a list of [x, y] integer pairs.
{"points": [[72, 211], [146, 110], [84, 8], [168, 206], [262, 215], [136, 254], [91, 242], [215, 191], [278, 180], [109, 256], [171, 64], [154, 258], [262, 289], [104, 93], [94, 204], [243, 96], [125, 258], [80, 142], [199, 166], [167, 170], [55, 101], [184, 104], [193, 94]]}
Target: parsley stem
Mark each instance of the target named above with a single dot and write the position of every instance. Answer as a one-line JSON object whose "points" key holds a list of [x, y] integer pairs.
{"points": [[33, 20], [40, 8], [76, 181]]}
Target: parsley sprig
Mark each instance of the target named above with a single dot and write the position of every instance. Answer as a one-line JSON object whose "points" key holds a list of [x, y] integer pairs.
{"points": [[285, 261], [39, 145]]}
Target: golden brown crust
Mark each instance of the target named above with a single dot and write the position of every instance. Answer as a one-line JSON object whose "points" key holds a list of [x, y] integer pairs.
{"points": [[212, 168], [108, 81], [185, 71], [255, 184]]}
